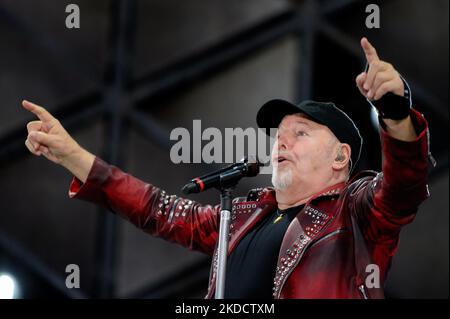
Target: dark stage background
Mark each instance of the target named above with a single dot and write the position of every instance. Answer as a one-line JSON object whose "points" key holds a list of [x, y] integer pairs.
{"points": [[137, 69]]}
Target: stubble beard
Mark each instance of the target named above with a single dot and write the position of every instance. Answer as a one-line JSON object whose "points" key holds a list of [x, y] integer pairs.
{"points": [[281, 178]]}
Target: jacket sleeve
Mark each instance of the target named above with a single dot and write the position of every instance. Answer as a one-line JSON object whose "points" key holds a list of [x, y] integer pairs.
{"points": [[390, 200], [149, 208]]}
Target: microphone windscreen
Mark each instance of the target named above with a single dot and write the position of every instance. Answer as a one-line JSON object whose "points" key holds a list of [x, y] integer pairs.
{"points": [[253, 165], [190, 188]]}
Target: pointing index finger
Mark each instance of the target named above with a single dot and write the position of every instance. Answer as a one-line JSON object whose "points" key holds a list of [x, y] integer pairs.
{"points": [[39, 111], [369, 51]]}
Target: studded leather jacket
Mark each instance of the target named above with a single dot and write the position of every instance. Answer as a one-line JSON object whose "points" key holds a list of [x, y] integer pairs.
{"points": [[340, 245]]}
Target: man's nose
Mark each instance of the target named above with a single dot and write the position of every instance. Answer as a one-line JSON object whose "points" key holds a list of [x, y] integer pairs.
{"points": [[283, 142]]}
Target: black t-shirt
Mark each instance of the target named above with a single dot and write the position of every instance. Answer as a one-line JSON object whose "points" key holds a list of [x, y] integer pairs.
{"points": [[252, 264]]}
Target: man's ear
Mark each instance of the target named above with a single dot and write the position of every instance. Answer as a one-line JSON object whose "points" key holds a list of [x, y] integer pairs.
{"points": [[342, 158]]}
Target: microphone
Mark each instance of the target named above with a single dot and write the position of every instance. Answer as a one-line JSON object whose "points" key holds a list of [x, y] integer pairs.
{"points": [[224, 177]]}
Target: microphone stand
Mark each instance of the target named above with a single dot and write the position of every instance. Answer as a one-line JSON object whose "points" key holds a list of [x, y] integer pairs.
{"points": [[222, 249], [228, 182]]}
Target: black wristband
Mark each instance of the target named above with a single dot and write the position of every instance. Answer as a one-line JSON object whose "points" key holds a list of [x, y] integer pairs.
{"points": [[392, 106]]}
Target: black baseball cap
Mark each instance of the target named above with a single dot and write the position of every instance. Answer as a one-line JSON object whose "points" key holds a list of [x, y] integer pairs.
{"points": [[325, 113]]}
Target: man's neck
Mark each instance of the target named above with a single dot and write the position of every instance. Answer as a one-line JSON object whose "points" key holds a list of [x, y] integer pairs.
{"points": [[300, 194], [284, 202]]}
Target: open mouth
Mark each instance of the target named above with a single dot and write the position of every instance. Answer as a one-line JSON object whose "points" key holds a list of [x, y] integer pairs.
{"points": [[281, 159]]}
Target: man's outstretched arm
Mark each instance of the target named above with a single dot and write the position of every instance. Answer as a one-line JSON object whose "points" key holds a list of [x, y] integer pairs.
{"points": [[150, 208], [170, 217], [390, 201]]}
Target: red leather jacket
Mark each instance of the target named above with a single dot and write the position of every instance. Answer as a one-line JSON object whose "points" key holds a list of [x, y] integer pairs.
{"points": [[326, 249]]}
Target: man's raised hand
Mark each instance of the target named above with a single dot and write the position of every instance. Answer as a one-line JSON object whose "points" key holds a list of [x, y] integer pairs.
{"points": [[380, 78], [46, 136]]}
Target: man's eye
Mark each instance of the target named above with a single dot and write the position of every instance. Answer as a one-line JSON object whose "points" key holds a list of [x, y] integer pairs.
{"points": [[301, 133]]}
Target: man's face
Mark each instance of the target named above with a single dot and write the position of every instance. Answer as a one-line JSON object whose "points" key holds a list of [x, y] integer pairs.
{"points": [[303, 150]]}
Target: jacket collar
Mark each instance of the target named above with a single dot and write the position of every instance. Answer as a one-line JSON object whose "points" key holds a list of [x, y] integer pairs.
{"points": [[268, 194], [266, 203]]}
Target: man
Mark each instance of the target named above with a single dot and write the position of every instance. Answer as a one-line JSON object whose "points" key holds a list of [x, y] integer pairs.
{"points": [[317, 233]]}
